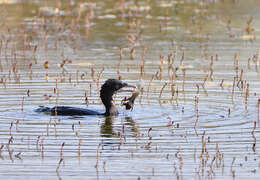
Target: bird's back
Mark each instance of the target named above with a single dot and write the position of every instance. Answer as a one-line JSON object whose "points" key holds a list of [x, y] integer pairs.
{"points": [[68, 111]]}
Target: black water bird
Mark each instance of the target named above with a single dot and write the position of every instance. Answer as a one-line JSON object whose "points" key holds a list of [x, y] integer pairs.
{"points": [[108, 89]]}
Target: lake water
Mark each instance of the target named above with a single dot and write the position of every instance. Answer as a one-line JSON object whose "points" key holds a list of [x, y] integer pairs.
{"points": [[196, 116]]}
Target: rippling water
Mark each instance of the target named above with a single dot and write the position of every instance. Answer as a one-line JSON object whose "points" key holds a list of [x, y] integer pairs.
{"points": [[167, 135]]}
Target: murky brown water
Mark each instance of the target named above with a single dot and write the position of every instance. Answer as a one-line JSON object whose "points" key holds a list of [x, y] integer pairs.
{"points": [[167, 135]]}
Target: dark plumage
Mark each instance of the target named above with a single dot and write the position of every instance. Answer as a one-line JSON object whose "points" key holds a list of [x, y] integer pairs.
{"points": [[108, 89]]}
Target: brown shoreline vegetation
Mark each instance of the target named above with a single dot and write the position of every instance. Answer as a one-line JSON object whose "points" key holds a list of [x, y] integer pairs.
{"points": [[196, 111]]}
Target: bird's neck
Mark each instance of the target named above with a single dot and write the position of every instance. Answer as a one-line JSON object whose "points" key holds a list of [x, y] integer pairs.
{"points": [[107, 100]]}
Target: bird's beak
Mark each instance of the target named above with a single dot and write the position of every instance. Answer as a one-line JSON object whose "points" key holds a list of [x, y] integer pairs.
{"points": [[129, 85], [127, 90]]}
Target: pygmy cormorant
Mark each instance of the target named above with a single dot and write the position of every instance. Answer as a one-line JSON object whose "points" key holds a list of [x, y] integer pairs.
{"points": [[108, 89]]}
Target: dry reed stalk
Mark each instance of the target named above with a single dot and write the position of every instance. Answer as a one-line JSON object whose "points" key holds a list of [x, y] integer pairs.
{"points": [[79, 14], [61, 150], [9, 75], [56, 86], [28, 93], [47, 77], [175, 52], [170, 66], [149, 86], [86, 98], [97, 157], [22, 108], [240, 82], [180, 162], [141, 95], [99, 77], [93, 74], [55, 123], [233, 89], [236, 64], [24, 45], [221, 84], [248, 63], [211, 166], [198, 89], [255, 58], [231, 167], [121, 54], [174, 75], [132, 53], [31, 72], [90, 89], [10, 128], [1, 149], [196, 110], [59, 163], [5, 51], [177, 95], [56, 45], [160, 96], [70, 78], [161, 66], [47, 128], [217, 151], [46, 64], [79, 147], [118, 66], [211, 67], [203, 146], [1, 46], [141, 72], [246, 95], [205, 80], [182, 58], [249, 29], [166, 20], [42, 148], [216, 57], [184, 78], [8, 148], [160, 27], [73, 127], [37, 143], [173, 91], [45, 44], [150, 129], [253, 135], [16, 125], [258, 110], [143, 54], [254, 128]]}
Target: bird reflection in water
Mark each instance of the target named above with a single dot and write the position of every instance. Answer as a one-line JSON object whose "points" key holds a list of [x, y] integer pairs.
{"points": [[113, 135]]}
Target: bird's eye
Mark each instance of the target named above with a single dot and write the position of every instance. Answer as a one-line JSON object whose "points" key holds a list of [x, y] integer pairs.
{"points": [[117, 87]]}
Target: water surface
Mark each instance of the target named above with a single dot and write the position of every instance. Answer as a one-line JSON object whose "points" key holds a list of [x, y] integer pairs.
{"points": [[56, 52]]}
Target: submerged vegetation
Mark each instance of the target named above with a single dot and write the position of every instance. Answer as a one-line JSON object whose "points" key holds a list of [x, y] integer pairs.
{"points": [[195, 113]]}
